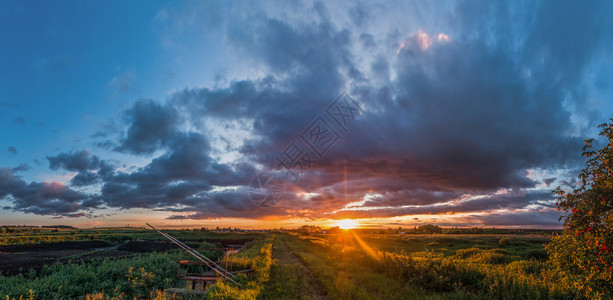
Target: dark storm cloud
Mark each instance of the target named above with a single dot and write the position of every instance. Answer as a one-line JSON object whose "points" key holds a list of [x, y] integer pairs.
{"points": [[41, 198], [150, 124], [227, 203], [13, 150], [84, 178], [470, 123], [175, 178], [90, 168], [566, 37], [81, 161]]}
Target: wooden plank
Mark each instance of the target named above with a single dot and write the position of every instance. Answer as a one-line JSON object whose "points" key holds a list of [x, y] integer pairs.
{"points": [[181, 291], [198, 278]]}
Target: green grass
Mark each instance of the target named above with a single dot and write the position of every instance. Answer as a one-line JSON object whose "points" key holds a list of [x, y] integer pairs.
{"points": [[343, 278], [288, 279], [289, 266], [430, 267]]}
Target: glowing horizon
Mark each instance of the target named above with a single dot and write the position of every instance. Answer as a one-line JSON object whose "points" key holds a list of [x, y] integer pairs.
{"points": [[347, 224]]}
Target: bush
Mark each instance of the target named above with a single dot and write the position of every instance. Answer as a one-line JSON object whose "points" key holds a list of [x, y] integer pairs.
{"points": [[429, 228], [505, 242], [491, 256], [584, 251], [466, 253]]}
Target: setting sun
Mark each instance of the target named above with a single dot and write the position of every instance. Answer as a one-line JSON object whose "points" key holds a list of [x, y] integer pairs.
{"points": [[347, 224]]}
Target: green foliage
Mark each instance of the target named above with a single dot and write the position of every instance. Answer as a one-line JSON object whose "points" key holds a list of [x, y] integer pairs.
{"points": [[111, 276], [505, 241], [257, 257], [584, 251], [466, 253], [139, 282]]}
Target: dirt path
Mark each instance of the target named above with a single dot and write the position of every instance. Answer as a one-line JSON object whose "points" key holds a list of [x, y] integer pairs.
{"points": [[284, 256]]}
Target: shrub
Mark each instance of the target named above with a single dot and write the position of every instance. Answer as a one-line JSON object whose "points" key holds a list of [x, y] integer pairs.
{"points": [[466, 253], [584, 251]]}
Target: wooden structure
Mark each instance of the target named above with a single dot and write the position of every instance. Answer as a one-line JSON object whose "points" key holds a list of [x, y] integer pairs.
{"points": [[198, 274], [197, 270]]}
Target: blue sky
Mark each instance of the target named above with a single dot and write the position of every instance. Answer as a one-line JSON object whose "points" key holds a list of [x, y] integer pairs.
{"points": [[471, 111]]}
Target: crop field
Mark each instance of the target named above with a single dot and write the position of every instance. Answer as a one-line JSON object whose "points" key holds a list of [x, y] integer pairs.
{"points": [[129, 263]]}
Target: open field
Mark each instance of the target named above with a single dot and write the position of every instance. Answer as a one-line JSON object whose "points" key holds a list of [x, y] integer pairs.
{"points": [[127, 263]]}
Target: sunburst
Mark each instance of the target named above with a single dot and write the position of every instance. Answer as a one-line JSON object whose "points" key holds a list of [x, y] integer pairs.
{"points": [[347, 224]]}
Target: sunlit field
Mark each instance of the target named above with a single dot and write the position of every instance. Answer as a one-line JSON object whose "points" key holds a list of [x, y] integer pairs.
{"points": [[293, 264]]}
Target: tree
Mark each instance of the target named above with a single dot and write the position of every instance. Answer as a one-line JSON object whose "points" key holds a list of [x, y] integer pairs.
{"points": [[430, 229], [307, 229], [583, 251]]}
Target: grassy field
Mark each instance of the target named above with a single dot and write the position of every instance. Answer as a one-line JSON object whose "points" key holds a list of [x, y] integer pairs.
{"points": [[286, 265]]}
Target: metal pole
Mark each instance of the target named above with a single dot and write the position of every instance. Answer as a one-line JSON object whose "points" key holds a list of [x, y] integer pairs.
{"points": [[207, 260], [199, 256]]}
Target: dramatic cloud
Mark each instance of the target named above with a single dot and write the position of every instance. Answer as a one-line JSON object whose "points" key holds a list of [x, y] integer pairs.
{"points": [[46, 198], [75, 161], [150, 124], [174, 179], [452, 116]]}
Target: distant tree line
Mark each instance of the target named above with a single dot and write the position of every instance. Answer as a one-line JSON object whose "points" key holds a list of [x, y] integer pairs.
{"points": [[423, 229], [34, 229]]}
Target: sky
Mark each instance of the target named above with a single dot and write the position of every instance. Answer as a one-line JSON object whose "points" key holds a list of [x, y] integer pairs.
{"points": [[265, 114]]}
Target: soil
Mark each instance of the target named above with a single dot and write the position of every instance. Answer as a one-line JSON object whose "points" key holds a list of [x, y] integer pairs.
{"points": [[229, 243], [150, 246], [68, 245], [16, 259]]}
